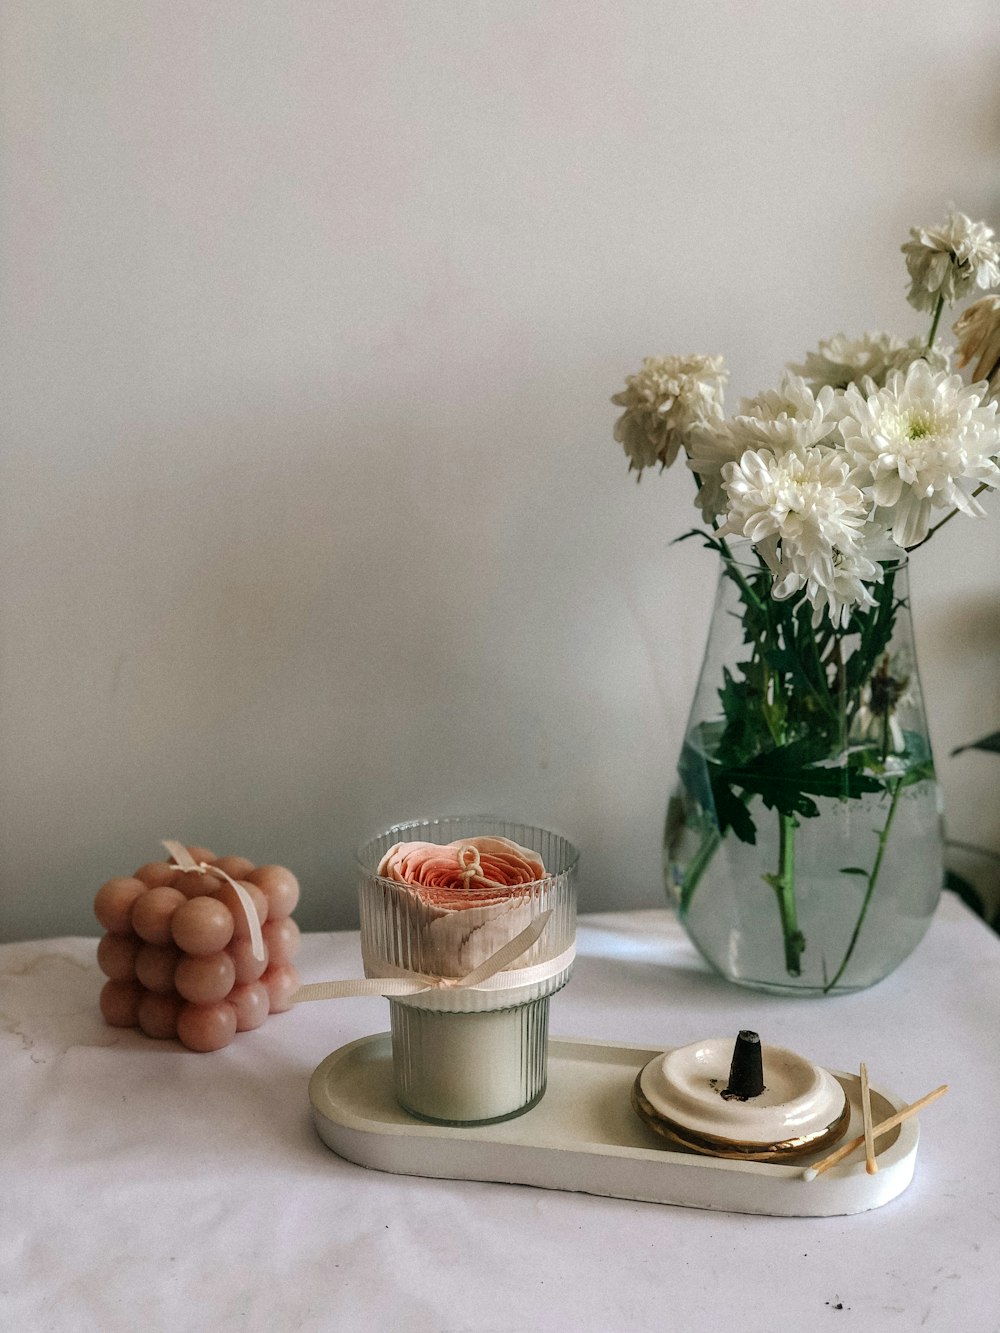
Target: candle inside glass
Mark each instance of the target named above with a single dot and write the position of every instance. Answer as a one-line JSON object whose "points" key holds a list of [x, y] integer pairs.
{"points": [[470, 1068]]}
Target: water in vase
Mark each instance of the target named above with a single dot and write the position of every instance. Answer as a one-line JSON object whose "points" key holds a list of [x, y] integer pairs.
{"points": [[864, 893]]}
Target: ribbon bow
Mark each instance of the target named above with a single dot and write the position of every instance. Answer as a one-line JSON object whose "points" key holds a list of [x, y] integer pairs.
{"points": [[401, 981], [187, 862]]}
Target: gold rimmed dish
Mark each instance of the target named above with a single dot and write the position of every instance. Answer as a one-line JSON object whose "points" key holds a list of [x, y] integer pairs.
{"points": [[682, 1096]]}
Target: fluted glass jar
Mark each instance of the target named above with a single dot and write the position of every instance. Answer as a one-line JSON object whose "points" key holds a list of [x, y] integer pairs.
{"points": [[469, 1054]]}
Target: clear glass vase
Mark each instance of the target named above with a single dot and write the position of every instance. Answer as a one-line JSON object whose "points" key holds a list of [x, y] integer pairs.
{"points": [[804, 843]]}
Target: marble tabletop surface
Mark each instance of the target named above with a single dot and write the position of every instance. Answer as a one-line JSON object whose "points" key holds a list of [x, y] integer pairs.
{"points": [[147, 1187]]}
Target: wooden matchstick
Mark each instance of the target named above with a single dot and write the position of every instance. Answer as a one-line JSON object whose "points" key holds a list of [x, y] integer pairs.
{"points": [[871, 1166], [845, 1149]]}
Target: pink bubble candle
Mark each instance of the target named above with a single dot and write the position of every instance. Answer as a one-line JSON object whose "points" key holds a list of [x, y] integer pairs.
{"points": [[178, 952]]}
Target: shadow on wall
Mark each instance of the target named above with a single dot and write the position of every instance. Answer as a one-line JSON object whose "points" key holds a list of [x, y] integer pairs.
{"points": [[966, 710]]}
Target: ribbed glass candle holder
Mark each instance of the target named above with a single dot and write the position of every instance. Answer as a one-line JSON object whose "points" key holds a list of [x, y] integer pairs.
{"points": [[469, 1055]]}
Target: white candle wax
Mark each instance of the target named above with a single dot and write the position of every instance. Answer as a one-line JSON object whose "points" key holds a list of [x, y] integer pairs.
{"points": [[466, 1068]]}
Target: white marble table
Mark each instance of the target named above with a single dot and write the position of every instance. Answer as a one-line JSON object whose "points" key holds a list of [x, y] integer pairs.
{"points": [[143, 1187]]}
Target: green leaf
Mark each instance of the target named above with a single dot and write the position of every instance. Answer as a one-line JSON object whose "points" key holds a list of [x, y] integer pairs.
{"points": [[746, 732], [874, 628], [969, 895], [786, 777], [710, 542], [705, 784], [990, 743], [853, 870], [917, 773], [732, 813]]}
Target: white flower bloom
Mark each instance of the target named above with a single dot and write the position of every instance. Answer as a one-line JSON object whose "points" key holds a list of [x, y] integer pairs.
{"points": [[916, 349], [663, 402], [790, 417], [978, 333], [806, 519], [777, 419], [922, 443], [950, 260], [840, 361], [710, 448]]}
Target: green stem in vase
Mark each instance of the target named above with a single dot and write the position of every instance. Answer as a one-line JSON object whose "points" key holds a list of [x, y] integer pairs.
{"points": [[841, 695], [749, 596], [783, 884], [698, 865], [896, 789]]}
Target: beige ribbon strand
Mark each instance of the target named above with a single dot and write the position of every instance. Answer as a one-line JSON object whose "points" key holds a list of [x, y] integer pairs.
{"points": [[187, 862], [400, 981]]}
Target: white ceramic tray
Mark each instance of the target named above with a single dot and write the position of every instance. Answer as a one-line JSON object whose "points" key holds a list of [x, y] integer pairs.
{"points": [[584, 1136]]}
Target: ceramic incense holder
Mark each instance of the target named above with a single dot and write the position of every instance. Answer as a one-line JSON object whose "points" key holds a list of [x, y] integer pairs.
{"points": [[747, 1102]]}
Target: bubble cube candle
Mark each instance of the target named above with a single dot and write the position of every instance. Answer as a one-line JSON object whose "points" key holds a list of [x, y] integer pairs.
{"points": [[178, 953]]}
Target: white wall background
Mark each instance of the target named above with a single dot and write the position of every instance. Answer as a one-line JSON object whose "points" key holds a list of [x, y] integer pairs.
{"points": [[311, 516]]}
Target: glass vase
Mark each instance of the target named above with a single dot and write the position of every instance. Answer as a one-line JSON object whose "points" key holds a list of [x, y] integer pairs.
{"points": [[803, 843]]}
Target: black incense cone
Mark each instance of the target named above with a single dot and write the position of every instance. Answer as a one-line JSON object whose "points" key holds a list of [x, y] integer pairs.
{"points": [[746, 1073]]}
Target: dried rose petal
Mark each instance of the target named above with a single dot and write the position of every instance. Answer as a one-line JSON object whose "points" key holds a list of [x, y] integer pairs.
{"points": [[475, 868], [463, 899]]}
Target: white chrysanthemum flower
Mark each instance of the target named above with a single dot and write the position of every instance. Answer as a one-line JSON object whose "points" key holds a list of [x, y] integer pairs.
{"points": [[924, 442], [950, 261], [978, 333], [806, 519], [663, 402], [840, 361], [710, 448], [916, 349], [789, 417]]}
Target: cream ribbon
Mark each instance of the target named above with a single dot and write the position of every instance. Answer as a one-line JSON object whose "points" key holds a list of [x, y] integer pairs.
{"points": [[471, 866], [393, 980], [186, 861]]}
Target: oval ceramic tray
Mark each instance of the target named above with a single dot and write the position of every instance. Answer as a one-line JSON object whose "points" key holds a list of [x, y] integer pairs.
{"points": [[584, 1136]]}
